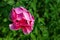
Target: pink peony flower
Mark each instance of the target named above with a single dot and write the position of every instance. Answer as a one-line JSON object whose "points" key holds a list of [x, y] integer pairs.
{"points": [[21, 19]]}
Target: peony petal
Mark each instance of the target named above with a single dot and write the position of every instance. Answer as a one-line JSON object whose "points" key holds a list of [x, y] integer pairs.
{"points": [[24, 30], [32, 23], [13, 27], [13, 15], [23, 9], [31, 17], [20, 16], [26, 16], [18, 10], [27, 30]]}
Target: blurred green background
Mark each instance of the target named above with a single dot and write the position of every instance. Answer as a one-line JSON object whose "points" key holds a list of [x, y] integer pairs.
{"points": [[47, 19]]}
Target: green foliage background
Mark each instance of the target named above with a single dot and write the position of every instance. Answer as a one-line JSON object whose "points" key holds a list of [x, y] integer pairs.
{"points": [[47, 19]]}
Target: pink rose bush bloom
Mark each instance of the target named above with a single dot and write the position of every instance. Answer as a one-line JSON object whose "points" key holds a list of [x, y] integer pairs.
{"points": [[21, 19]]}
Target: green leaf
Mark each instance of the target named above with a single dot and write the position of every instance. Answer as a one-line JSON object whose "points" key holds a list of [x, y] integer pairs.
{"points": [[10, 2]]}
